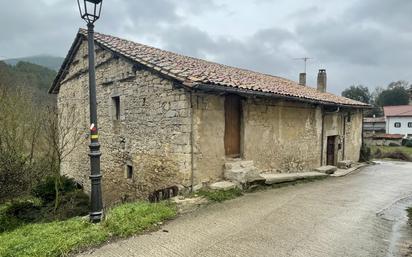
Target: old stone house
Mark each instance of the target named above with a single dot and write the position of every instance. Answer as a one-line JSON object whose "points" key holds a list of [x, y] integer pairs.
{"points": [[166, 119]]}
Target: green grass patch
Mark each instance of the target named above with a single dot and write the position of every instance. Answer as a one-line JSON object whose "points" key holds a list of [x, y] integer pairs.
{"points": [[132, 218], [220, 195], [59, 238], [392, 152], [409, 211], [388, 149]]}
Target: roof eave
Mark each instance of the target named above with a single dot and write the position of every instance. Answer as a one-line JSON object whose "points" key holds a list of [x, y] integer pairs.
{"points": [[219, 88], [54, 89]]}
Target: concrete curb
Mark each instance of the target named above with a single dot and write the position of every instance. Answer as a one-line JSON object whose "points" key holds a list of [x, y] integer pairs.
{"points": [[343, 172]]}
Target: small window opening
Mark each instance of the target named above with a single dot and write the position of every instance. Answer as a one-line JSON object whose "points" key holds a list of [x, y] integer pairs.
{"points": [[129, 171], [116, 107], [144, 101], [397, 124], [409, 124], [349, 118]]}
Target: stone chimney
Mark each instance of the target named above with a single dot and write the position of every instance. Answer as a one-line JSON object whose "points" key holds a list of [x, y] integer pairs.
{"points": [[302, 79], [322, 80]]}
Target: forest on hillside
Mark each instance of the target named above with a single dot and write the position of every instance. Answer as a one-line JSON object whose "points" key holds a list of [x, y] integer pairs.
{"points": [[28, 127]]}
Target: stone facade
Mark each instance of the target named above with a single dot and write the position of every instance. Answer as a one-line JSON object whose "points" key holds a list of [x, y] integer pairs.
{"points": [[161, 127]]}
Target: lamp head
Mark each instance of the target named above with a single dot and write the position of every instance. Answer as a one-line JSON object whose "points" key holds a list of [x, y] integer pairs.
{"points": [[90, 10]]}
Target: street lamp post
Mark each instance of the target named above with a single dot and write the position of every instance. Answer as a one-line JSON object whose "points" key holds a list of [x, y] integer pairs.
{"points": [[90, 12]]}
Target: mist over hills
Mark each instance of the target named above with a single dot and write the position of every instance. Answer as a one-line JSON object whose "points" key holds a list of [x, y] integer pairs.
{"points": [[51, 62]]}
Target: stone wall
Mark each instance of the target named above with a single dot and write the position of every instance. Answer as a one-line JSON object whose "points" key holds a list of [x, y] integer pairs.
{"points": [[152, 134]]}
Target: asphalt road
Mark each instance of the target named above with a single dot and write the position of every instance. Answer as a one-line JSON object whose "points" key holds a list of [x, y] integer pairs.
{"points": [[333, 217]]}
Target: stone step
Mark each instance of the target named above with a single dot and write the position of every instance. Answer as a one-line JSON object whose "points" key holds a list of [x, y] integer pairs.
{"points": [[238, 164], [223, 185], [327, 169], [289, 177]]}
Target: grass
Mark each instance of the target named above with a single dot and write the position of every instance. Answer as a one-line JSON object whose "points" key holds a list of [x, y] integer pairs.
{"points": [[409, 211], [388, 149], [59, 238], [392, 152], [220, 195]]}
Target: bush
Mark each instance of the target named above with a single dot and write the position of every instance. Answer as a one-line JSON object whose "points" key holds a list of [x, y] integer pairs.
{"points": [[397, 155], [13, 175], [408, 143], [365, 153], [46, 190], [18, 212], [73, 204]]}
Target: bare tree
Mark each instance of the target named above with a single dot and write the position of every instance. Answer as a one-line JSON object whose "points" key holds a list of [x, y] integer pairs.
{"points": [[63, 136]]}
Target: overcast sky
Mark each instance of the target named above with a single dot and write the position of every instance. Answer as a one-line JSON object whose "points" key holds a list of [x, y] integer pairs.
{"points": [[366, 42]]}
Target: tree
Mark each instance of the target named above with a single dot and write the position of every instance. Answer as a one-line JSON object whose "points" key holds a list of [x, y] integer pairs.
{"points": [[63, 135], [396, 95], [359, 93]]}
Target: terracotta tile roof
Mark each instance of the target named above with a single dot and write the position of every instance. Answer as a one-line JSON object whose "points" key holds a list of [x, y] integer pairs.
{"points": [[399, 110], [192, 72]]}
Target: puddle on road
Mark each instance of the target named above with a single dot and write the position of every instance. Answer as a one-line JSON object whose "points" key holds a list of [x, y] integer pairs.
{"points": [[401, 235]]}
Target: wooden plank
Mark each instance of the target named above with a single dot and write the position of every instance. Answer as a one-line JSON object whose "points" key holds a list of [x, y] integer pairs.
{"points": [[331, 150], [232, 125]]}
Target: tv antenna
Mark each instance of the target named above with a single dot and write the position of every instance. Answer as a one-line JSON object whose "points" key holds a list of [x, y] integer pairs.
{"points": [[305, 60]]}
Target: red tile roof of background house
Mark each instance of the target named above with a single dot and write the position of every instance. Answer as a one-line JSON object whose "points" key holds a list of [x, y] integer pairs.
{"points": [[192, 72], [399, 110]]}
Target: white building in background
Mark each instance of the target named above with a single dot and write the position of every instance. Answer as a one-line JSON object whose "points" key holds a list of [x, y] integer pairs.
{"points": [[398, 119]]}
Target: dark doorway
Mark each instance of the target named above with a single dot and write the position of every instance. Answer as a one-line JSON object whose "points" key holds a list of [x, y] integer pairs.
{"points": [[233, 110], [330, 151]]}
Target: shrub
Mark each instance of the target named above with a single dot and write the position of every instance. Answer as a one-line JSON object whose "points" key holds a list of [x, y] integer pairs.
{"points": [[73, 204], [398, 155], [365, 153], [46, 190], [18, 212], [13, 175], [408, 143]]}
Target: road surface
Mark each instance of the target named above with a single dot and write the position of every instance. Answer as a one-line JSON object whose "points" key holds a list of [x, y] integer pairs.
{"points": [[347, 216]]}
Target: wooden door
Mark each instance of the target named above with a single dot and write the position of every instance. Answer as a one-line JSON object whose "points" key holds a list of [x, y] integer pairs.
{"points": [[330, 151], [233, 110]]}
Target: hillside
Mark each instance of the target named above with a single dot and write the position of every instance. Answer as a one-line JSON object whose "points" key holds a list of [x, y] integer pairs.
{"points": [[50, 62], [29, 76]]}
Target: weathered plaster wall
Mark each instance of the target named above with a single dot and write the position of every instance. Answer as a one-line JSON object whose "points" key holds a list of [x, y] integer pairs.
{"points": [[152, 134], [353, 137], [281, 135], [209, 130]]}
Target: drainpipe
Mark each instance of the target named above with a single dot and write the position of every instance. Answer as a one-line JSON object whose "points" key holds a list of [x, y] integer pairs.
{"points": [[191, 142], [344, 137], [323, 132], [321, 140]]}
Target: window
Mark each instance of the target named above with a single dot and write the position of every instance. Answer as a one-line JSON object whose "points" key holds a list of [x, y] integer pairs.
{"points": [[116, 107], [397, 124], [129, 171], [409, 124]]}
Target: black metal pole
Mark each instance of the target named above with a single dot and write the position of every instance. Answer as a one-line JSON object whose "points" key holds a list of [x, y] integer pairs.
{"points": [[96, 202]]}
